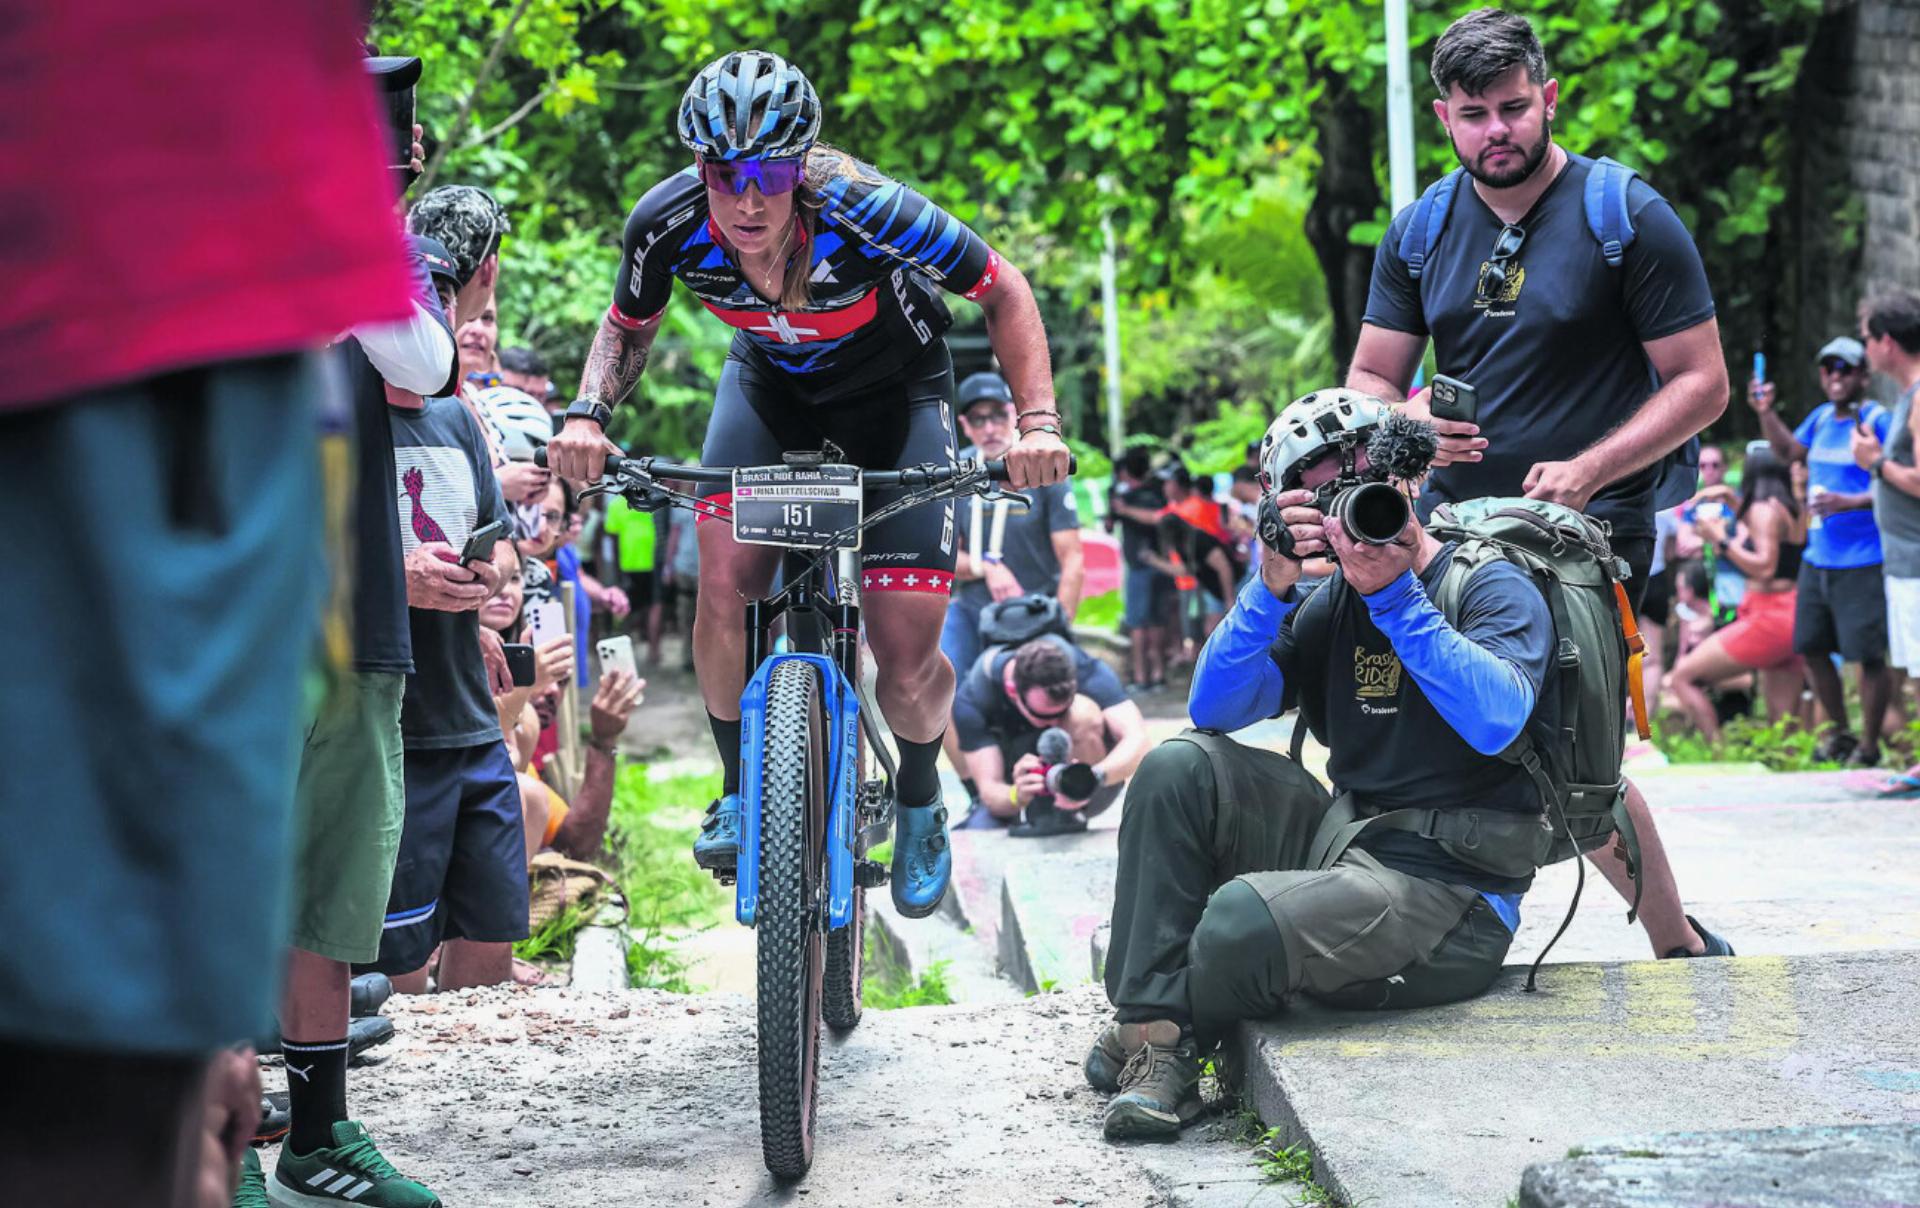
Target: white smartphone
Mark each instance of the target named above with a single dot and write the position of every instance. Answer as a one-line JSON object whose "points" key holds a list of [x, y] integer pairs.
{"points": [[549, 622], [617, 652]]}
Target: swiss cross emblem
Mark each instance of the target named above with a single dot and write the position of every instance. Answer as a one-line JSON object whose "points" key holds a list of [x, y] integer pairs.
{"points": [[783, 329], [886, 580]]}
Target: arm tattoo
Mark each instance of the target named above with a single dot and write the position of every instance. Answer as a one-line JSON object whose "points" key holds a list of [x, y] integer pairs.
{"points": [[615, 362]]}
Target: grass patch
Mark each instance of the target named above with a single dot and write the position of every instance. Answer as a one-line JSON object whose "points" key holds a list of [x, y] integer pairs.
{"points": [[650, 853], [884, 988], [1101, 612], [1291, 1164], [1781, 747], [553, 942]]}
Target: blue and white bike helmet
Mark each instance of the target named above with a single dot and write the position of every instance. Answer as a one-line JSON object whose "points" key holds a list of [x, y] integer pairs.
{"points": [[751, 104]]}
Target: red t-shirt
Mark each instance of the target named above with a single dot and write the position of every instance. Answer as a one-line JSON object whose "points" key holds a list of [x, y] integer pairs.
{"points": [[184, 182]]}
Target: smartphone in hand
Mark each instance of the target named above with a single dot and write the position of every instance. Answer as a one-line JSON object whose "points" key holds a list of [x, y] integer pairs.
{"points": [[480, 542], [617, 652], [548, 620], [520, 663], [1454, 400]]}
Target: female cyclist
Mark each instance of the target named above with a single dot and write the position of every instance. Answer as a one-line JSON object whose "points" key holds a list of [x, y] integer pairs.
{"points": [[1768, 536], [828, 272]]}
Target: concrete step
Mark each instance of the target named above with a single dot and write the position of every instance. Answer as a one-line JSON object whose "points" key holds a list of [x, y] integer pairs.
{"points": [[1051, 904], [1873, 1164], [912, 947], [1448, 1106]]}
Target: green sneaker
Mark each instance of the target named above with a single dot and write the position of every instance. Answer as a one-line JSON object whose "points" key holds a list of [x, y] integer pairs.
{"points": [[1160, 1086], [351, 1172], [252, 1192]]}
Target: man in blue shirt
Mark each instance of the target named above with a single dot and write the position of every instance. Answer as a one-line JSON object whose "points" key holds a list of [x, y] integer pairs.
{"points": [[1842, 605], [1224, 906]]}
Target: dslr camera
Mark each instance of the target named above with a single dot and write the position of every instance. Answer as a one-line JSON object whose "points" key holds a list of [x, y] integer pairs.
{"points": [[1354, 447]]}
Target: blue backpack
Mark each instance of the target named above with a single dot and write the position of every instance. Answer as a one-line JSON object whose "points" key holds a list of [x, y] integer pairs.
{"points": [[1612, 225]]}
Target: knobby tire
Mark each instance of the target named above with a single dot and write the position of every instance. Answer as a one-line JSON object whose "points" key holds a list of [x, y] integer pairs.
{"points": [[846, 948], [789, 945]]}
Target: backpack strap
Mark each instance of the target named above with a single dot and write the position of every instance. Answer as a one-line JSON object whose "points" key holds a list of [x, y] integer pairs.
{"points": [[1606, 204], [1301, 725], [1422, 233]]}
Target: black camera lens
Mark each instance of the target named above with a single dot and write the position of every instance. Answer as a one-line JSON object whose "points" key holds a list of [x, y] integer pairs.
{"points": [[1373, 512]]}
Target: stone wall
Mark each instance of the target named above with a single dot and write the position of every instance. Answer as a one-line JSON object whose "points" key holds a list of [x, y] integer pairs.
{"points": [[1883, 139]]}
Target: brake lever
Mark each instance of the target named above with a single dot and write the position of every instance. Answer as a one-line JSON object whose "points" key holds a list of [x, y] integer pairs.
{"points": [[993, 494]]}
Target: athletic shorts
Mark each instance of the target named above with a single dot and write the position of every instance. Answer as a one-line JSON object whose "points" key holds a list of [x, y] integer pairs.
{"points": [[1148, 594], [1761, 635], [462, 873], [904, 420], [1638, 554], [164, 576], [1903, 623], [1656, 607], [350, 806], [1842, 612]]}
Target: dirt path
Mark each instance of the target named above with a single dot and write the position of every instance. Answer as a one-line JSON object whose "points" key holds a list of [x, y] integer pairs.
{"points": [[555, 1097]]}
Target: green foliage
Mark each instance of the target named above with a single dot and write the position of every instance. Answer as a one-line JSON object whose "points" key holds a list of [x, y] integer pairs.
{"points": [[1101, 612], [553, 942], [1781, 746], [888, 989], [1293, 1164], [649, 837]]}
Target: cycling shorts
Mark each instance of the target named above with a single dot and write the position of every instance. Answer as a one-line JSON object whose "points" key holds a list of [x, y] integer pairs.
{"points": [[903, 420]]}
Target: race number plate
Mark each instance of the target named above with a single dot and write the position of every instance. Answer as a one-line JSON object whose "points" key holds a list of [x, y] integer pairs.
{"points": [[797, 507]]}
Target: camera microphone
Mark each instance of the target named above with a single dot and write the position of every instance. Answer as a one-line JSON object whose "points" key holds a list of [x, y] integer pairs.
{"points": [[1401, 447], [1055, 746]]}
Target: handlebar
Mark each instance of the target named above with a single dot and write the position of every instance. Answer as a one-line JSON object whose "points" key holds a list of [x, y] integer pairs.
{"points": [[912, 478]]}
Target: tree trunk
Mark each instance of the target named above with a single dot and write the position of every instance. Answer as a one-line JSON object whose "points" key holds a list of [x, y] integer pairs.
{"points": [[1345, 193]]}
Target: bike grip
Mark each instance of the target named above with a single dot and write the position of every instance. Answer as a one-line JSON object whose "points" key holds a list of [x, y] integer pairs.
{"points": [[996, 468], [613, 463]]}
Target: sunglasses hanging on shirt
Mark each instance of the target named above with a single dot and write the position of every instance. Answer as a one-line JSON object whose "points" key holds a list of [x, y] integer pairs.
{"points": [[1506, 245], [770, 175]]}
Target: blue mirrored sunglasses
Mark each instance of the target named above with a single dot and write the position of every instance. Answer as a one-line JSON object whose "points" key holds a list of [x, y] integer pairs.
{"points": [[771, 175]]}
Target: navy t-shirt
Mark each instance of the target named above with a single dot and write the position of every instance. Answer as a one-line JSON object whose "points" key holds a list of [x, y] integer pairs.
{"points": [[1556, 358], [1024, 540], [380, 639], [1387, 744], [445, 490], [983, 714]]}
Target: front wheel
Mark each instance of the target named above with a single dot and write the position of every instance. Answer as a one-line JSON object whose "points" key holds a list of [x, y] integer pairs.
{"points": [[846, 967], [793, 816]]}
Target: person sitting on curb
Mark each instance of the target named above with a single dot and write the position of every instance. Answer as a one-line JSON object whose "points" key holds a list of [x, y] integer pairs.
{"points": [[1232, 896], [1007, 705]]}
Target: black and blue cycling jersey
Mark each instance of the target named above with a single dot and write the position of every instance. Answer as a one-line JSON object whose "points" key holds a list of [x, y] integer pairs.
{"points": [[880, 251]]}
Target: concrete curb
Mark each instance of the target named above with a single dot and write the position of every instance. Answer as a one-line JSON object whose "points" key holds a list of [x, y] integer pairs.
{"points": [[1776, 1167]]}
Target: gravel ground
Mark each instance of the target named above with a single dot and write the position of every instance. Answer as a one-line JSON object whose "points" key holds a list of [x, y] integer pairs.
{"points": [[558, 1097]]}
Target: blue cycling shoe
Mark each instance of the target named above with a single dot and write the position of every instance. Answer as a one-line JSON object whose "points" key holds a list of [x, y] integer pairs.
{"points": [[718, 847], [922, 859]]}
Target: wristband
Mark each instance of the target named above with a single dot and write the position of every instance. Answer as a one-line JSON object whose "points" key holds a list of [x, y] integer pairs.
{"points": [[994, 559], [593, 409], [606, 749], [1013, 793], [1036, 411], [1879, 461], [1052, 428]]}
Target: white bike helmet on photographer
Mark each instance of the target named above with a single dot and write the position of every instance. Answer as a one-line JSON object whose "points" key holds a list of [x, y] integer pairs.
{"points": [[1336, 423]]}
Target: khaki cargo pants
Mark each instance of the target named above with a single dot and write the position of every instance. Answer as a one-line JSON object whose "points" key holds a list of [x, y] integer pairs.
{"points": [[1216, 918]]}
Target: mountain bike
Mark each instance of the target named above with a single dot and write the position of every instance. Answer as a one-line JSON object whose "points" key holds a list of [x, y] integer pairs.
{"points": [[811, 809]]}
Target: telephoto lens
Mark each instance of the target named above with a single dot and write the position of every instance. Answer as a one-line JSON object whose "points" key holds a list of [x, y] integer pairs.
{"points": [[1375, 513]]}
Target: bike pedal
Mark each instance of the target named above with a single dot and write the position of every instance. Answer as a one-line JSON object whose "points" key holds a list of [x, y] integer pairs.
{"points": [[869, 874], [726, 876]]}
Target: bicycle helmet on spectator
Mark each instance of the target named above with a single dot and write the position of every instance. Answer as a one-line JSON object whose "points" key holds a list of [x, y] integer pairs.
{"points": [[524, 423], [750, 104], [1337, 421]]}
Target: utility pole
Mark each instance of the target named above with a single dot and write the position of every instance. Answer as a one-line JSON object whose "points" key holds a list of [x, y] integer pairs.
{"points": [[1110, 320], [1399, 109]]}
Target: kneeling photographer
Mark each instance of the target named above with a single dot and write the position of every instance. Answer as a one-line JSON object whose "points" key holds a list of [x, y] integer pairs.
{"points": [[1047, 733], [1244, 882]]}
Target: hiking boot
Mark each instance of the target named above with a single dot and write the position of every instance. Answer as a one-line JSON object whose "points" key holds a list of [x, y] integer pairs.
{"points": [[276, 1117], [1715, 945], [718, 847], [350, 1172], [369, 993], [922, 859], [1106, 1059], [1159, 1086], [252, 1191]]}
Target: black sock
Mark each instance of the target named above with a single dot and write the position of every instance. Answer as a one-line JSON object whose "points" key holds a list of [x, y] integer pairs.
{"points": [[726, 736], [316, 1091], [918, 780]]}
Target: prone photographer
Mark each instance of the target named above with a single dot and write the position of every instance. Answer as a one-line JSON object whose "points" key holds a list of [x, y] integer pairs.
{"points": [[1233, 893]]}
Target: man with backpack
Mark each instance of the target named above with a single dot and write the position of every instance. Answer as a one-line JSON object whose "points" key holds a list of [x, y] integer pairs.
{"points": [[1570, 297], [1431, 670]]}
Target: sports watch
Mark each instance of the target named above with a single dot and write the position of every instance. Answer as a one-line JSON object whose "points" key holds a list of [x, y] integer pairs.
{"points": [[593, 409]]}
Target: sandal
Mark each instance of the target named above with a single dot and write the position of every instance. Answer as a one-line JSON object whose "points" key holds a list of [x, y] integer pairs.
{"points": [[1906, 784]]}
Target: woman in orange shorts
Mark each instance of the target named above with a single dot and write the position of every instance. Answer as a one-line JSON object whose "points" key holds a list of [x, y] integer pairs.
{"points": [[1769, 534]]}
